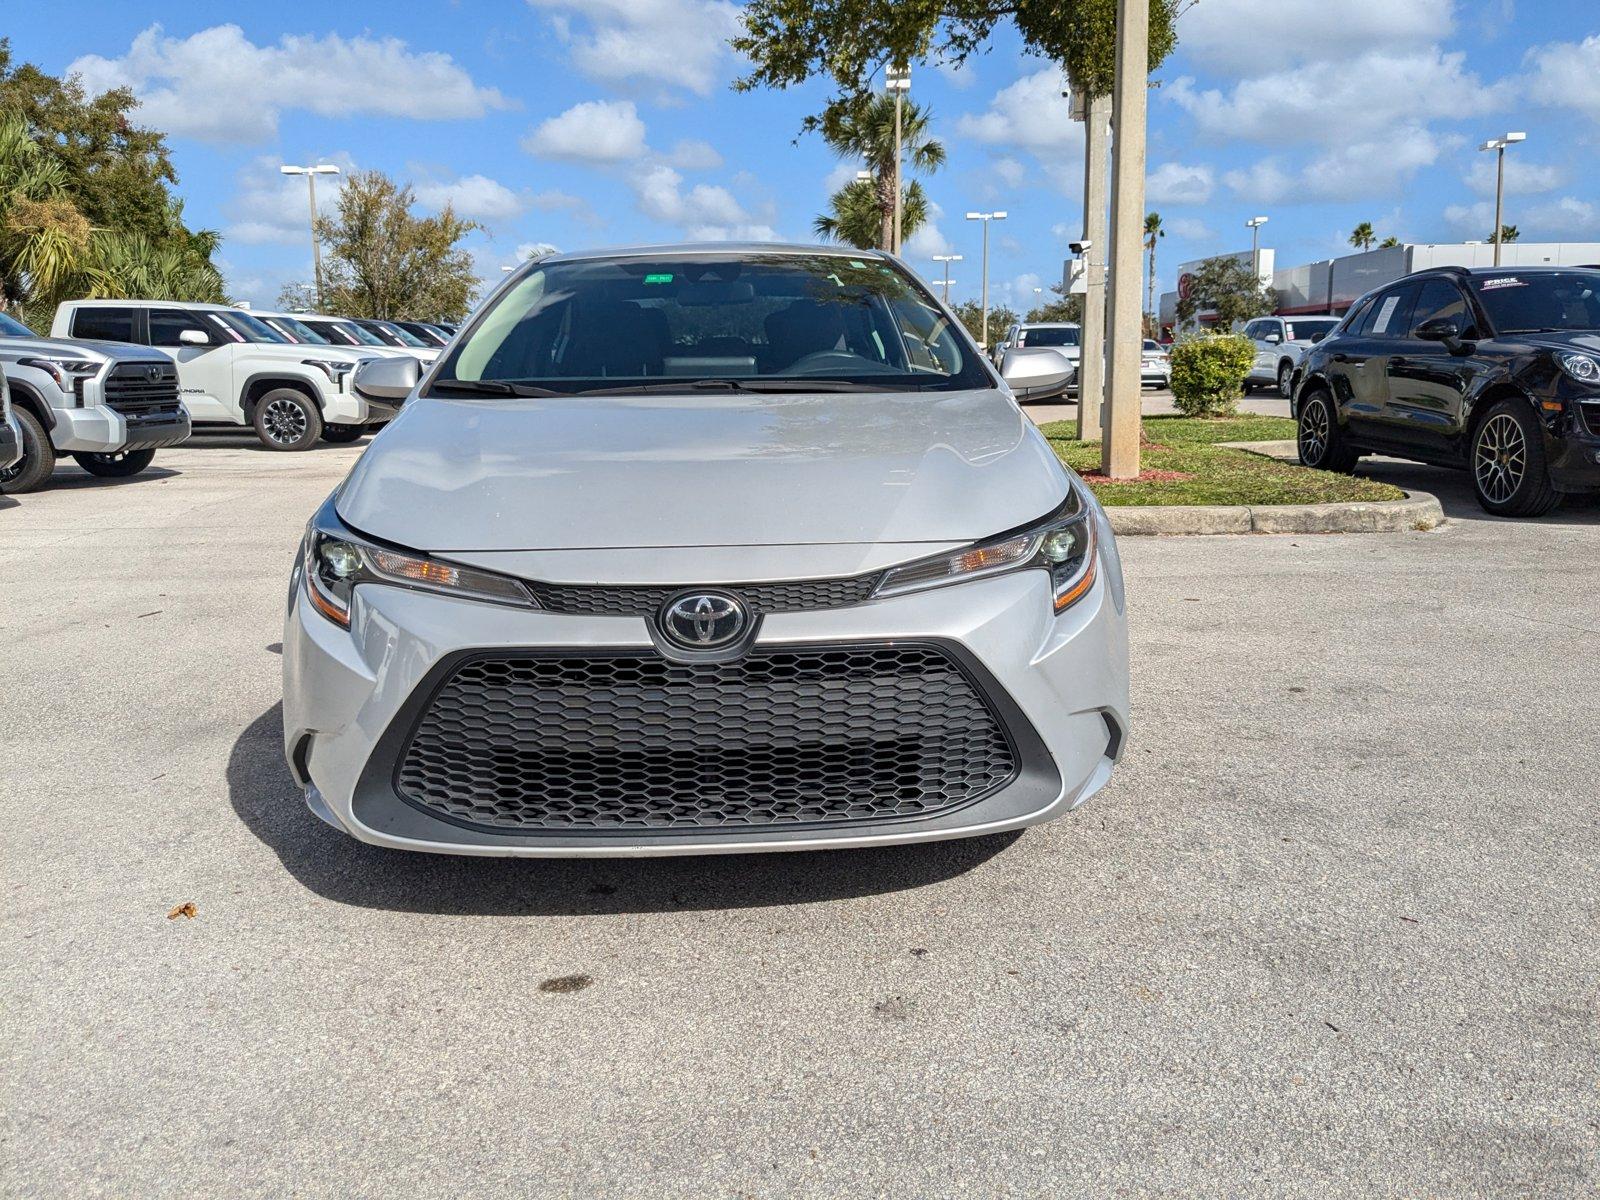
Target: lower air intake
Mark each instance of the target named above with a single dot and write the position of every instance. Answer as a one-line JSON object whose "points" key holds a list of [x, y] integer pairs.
{"points": [[630, 741]]}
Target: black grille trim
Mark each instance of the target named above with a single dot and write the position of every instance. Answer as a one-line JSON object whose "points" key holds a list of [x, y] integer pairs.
{"points": [[913, 765], [1591, 414], [130, 391], [645, 600]]}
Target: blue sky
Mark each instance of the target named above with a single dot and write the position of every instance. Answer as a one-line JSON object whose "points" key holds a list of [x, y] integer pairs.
{"points": [[606, 122]]}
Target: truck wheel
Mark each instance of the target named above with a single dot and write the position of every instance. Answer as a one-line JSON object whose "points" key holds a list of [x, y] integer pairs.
{"points": [[287, 420], [1286, 380], [32, 470], [342, 433], [116, 466]]}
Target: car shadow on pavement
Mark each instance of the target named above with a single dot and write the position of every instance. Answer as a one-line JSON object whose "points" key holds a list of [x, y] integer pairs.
{"points": [[245, 439], [71, 478], [342, 869], [1454, 490]]}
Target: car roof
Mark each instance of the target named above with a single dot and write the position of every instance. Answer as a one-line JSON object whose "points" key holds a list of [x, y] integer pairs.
{"points": [[719, 249], [1048, 325], [193, 305]]}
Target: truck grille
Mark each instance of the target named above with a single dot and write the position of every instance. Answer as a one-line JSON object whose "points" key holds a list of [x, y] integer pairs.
{"points": [[143, 391], [626, 740], [1591, 415], [643, 601]]}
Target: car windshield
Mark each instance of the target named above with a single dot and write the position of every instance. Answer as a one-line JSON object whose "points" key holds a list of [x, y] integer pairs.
{"points": [[298, 330], [1304, 331], [1058, 335], [10, 327], [402, 336], [360, 333], [242, 327], [770, 322], [1540, 301]]}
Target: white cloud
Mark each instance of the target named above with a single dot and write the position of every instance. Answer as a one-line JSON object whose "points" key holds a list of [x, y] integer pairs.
{"points": [[705, 212], [1522, 178], [1339, 101], [1566, 75], [527, 250], [217, 85], [1177, 183], [1030, 114], [692, 154], [928, 240], [1361, 170], [1009, 171], [630, 43], [1190, 228], [271, 207], [1566, 219], [474, 197], [555, 200], [1257, 36], [593, 131]]}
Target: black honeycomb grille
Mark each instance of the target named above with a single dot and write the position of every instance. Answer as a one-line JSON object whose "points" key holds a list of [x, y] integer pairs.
{"points": [[138, 388], [631, 741], [803, 595]]}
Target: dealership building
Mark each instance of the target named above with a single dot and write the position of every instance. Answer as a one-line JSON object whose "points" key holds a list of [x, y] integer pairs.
{"points": [[1331, 286]]}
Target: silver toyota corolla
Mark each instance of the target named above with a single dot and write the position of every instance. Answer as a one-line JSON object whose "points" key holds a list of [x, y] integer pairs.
{"points": [[704, 549]]}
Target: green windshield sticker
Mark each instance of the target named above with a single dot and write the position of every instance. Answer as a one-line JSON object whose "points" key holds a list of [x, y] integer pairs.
{"points": [[860, 265], [658, 278]]}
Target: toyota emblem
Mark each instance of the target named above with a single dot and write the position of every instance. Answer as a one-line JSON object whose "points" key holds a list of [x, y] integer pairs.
{"points": [[703, 620], [153, 372]]}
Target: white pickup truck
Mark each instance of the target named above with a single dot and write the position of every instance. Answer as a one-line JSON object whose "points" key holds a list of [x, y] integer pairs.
{"points": [[235, 370]]}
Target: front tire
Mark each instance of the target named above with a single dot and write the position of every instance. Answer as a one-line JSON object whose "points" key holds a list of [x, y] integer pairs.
{"points": [[32, 471], [115, 466], [285, 419], [1323, 446], [1286, 381], [342, 433], [1510, 475]]}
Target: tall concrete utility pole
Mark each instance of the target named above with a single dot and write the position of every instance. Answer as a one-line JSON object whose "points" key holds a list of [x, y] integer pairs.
{"points": [[1096, 231], [1119, 447], [898, 81]]}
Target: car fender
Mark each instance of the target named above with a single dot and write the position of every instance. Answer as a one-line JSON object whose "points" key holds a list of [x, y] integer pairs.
{"points": [[261, 381], [1488, 390], [25, 395]]}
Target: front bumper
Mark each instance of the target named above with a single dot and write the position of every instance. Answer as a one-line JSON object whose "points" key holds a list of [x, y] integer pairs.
{"points": [[100, 429], [1573, 446], [1060, 684]]}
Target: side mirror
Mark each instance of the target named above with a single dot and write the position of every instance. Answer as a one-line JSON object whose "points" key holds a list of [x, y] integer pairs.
{"points": [[1272, 339], [387, 378], [1439, 329], [1318, 336], [193, 337], [1038, 373]]}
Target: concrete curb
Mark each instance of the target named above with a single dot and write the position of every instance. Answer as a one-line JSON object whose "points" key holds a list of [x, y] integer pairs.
{"points": [[1418, 511]]}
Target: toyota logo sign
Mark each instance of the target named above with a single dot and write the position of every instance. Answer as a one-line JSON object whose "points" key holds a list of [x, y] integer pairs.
{"points": [[703, 620]]}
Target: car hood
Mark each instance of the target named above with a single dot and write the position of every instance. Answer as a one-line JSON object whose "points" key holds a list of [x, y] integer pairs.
{"points": [[684, 471], [1584, 340], [77, 347]]}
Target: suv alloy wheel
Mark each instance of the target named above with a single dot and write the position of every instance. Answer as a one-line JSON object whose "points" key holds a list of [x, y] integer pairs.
{"points": [[286, 419], [1509, 474]]}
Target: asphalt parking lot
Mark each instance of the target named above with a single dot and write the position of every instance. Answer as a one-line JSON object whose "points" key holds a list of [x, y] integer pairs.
{"points": [[1331, 931]]}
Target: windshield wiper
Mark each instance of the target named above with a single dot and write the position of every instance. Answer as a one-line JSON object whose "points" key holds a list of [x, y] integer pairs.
{"points": [[490, 387]]}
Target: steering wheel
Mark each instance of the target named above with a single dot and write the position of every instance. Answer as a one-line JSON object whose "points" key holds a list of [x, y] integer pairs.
{"points": [[832, 360]]}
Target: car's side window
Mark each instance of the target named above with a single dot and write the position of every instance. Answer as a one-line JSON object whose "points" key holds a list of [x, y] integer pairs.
{"points": [[1390, 314], [1441, 298], [167, 323], [103, 324], [1252, 330]]}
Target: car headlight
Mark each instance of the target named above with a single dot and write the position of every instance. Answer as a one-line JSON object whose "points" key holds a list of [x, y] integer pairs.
{"points": [[335, 369], [1062, 544], [65, 371], [335, 561], [1584, 368]]}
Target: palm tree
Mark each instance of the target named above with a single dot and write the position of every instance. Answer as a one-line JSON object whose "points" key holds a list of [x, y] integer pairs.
{"points": [[1152, 231], [1362, 236], [855, 218], [1389, 243], [865, 130], [43, 236], [1508, 233]]}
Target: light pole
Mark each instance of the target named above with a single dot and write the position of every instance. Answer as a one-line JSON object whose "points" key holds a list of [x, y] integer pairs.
{"points": [[311, 174], [947, 259], [898, 81], [1254, 224], [986, 217], [1498, 145]]}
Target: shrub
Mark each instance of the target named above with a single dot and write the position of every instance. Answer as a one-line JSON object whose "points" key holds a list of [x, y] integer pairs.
{"points": [[1208, 373]]}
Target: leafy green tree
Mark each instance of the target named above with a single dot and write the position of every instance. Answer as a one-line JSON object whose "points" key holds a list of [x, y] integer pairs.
{"points": [[385, 262], [1362, 237], [1389, 243], [1062, 308], [855, 214], [851, 41], [970, 314], [1152, 233], [1228, 287], [864, 129], [1508, 233]]}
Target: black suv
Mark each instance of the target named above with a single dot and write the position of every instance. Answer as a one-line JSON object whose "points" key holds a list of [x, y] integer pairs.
{"points": [[1496, 370]]}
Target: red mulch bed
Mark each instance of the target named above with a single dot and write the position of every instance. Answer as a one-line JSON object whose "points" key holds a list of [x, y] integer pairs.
{"points": [[1144, 477]]}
